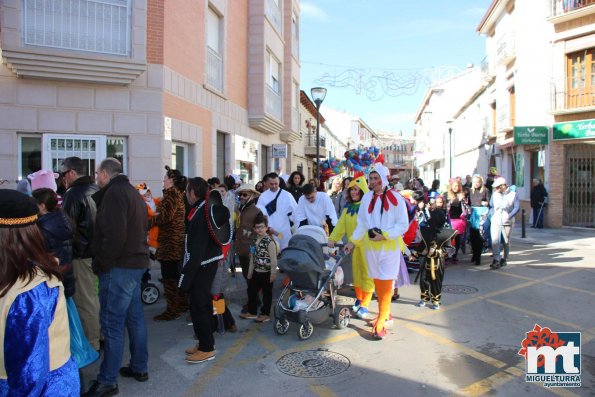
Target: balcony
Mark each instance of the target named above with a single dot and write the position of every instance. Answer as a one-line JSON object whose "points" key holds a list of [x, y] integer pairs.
{"points": [[273, 102], [294, 134], [505, 51], [561, 10], [214, 69], [273, 13], [572, 98], [486, 69], [310, 146], [504, 122]]}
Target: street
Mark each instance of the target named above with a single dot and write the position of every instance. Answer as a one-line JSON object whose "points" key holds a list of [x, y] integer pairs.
{"points": [[468, 347]]}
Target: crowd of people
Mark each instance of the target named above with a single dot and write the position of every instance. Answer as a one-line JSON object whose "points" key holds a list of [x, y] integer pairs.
{"points": [[92, 239]]}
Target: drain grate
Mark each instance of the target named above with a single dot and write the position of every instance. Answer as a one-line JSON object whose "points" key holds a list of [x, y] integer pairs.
{"points": [[459, 289], [313, 364]]}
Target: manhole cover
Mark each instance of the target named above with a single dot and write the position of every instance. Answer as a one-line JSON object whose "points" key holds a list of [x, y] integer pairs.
{"points": [[313, 364], [459, 289]]}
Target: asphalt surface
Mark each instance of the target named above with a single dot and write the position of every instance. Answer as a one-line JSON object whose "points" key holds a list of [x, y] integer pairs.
{"points": [[469, 347]]}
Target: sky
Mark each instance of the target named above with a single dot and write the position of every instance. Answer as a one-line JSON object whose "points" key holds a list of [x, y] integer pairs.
{"points": [[377, 58]]}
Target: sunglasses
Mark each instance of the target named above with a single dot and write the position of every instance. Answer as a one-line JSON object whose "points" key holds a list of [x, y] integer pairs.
{"points": [[62, 174], [244, 194]]}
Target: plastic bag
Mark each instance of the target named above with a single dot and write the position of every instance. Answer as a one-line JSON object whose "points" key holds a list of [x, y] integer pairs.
{"points": [[339, 277], [80, 348]]}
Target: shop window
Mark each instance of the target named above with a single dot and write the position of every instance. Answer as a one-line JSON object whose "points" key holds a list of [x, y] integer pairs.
{"points": [[29, 155], [179, 157]]}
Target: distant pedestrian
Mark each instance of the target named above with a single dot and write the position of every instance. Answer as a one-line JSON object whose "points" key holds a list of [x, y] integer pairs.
{"points": [[457, 211], [343, 198], [504, 206], [479, 198], [295, 184], [538, 202]]}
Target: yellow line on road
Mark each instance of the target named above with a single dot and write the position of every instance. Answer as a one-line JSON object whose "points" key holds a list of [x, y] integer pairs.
{"points": [[219, 364], [584, 291], [534, 314], [448, 342], [322, 391], [484, 385], [266, 343]]}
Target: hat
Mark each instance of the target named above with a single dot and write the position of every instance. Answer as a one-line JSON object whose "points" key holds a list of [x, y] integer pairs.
{"points": [[23, 186], [395, 176], [17, 209], [381, 170], [499, 182], [43, 179], [142, 188], [218, 218], [236, 178], [248, 187], [418, 195]]}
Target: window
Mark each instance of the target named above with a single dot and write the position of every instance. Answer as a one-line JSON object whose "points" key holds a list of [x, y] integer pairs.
{"points": [[214, 50], [117, 147], [580, 79], [273, 14], [179, 157], [101, 26], [295, 48], [29, 155], [273, 71], [90, 148]]}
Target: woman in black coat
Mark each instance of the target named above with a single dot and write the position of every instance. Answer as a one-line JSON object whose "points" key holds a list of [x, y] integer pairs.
{"points": [[295, 184]]}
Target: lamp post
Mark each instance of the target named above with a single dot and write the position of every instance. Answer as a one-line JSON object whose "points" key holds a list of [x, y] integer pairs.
{"points": [[449, 122], [318, 94]]}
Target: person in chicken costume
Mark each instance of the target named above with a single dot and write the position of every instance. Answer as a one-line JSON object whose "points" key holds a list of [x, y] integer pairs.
{"points": [[381, 221], [363, 285]]}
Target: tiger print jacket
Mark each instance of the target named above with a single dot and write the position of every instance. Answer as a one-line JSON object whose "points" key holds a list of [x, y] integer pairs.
{"points": [[170, 219]]}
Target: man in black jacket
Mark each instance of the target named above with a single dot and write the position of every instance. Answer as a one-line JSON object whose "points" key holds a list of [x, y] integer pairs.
{"points": [[80, 207], [538, 202], [121, 258]]}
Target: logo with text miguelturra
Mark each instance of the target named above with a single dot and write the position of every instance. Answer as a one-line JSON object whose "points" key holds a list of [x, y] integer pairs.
{"points": [[552, 358]]}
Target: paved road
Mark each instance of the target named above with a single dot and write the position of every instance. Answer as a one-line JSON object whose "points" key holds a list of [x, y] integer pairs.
{"points": [[469, 347]]}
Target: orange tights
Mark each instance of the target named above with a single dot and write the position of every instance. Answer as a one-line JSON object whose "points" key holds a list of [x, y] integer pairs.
{"points": [[384, 292], [363, 297]]}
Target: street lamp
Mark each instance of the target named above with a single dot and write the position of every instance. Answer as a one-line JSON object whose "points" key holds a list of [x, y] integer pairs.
{"points": [[449, 122], [318, 94]]}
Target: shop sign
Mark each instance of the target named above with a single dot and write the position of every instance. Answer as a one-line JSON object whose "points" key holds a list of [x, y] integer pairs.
{"points": [[531, 135], [246, 149], [279, 151], [574, 130]]}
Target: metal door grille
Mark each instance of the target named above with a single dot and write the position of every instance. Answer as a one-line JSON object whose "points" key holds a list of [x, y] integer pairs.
{"points": [[579, 197]]}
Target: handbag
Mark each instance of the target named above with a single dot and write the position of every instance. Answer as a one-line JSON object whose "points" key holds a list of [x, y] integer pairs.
{"points": [[271, 207], [81, 350]]}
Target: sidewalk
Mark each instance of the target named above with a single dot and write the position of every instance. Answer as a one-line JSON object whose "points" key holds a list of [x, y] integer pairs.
{"points": [[566, 236]]}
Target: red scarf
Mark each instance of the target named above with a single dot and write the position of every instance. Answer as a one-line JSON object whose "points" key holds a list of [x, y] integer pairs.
{"points": [[385, 203]]}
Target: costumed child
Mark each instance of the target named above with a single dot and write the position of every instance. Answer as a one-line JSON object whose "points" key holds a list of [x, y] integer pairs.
{"points": [[364, 285], [381, 221], [152, 204], [431, 273], [262, 271]]}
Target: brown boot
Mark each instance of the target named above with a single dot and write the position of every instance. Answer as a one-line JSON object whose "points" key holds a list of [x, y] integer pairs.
{"points": [[171, 311]]}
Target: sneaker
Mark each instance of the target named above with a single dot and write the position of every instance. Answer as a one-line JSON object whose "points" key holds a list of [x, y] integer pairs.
{"points": [[191, 350], [380, 334], [502, 262], [435, 306], [262, 318], [200, 357], [362, 313], [127, 372], [495, 264], [357, 305], [421, 303], [395, 297], [248, 316]]}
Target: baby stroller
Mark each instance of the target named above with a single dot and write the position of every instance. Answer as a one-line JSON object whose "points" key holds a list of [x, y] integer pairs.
{"points": [[149, 291], [311, 295]]}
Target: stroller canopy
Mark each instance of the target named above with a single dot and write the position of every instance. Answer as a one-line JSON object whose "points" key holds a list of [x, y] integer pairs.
{"points": [[302, 255]]}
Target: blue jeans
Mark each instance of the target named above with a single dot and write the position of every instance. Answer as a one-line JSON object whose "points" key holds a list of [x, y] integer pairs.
{"points": [[120, 308]]}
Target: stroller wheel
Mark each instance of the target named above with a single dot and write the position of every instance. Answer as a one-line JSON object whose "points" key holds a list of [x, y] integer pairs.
{"points": [[305, 330], [280, 326], [149, 294], [342, 317]]}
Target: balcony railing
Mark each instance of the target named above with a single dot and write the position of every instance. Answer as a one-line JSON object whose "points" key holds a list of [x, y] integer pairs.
{"points": [[274, 15], [295, 120], [560, 7], [273, 102], [505, 48], [503, 118], [214, 69], [565, 96], [310, 140]]}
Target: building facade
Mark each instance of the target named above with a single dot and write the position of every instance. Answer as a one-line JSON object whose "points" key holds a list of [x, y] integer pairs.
{"points": [[205, 86]]}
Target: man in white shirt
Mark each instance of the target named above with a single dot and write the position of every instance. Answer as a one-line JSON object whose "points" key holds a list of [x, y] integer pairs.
{"points": [[279, 206], [313, 208]]}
